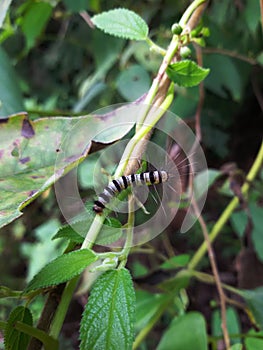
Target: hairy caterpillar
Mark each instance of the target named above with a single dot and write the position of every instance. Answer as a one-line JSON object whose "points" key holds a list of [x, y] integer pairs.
{"points": [[117, 186]]}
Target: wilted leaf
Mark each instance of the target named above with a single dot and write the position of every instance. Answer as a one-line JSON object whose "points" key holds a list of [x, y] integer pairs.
{"points": [[33, 155]]}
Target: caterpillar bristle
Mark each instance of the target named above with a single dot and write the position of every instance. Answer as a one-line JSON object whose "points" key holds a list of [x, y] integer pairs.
{"points": [[118, 185]]}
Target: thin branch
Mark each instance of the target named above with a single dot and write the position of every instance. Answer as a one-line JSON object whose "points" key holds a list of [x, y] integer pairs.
{"points": [[256, 89], [261, 11], [222, 297], [87, 19], [224, 217], [230, 53], [198, 131]]}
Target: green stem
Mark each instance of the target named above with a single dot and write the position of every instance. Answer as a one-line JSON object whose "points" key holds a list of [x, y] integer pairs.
{"points": [[150, 122], [144, 332], [93, 232], [206, 278], [189, 11], [63, 307], [48, 342], [228, 211], [155, 47]]}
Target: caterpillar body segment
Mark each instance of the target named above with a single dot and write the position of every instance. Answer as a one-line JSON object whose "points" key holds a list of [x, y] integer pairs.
{"points": [[117, 186]]}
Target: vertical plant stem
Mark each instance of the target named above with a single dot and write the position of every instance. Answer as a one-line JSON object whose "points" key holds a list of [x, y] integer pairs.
{"points": [[62, 309], [228, 211], [213, 263]]}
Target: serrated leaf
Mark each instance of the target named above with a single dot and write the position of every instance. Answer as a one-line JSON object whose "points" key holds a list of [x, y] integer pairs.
{"points": [[69, 233], [186, 73], [254, 300], [122, 23], [110, 232], [62, 269], [108, 318], [14, 339], [186, 332]]}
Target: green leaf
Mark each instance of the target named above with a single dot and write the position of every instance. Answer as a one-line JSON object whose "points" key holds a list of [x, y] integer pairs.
{"points": [[14, 339], [252, 15], [62, 269], [179, 281], [147, 305], [10, 95], [76, 5], [224, 76], [186, 73], [233, 323], [33, 155], [108, 318], [257, 214], [70, 233], [254, 343], [254, 300], [239, 222], [238, 346], [133, 82], [204, 180], [186, 332], [43, 250], [175, 262], [110, 232], [34, 21], [122, 23]]}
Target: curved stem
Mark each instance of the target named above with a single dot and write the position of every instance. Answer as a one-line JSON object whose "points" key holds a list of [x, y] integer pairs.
{"points": [[189, 11], [155, 47], [228, 211]]}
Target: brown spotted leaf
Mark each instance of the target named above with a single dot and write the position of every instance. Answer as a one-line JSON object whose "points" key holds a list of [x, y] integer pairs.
{"points": [[35, 154]]}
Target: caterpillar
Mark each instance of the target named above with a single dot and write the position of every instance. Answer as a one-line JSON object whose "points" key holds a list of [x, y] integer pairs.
{"points": [[117, 186]]}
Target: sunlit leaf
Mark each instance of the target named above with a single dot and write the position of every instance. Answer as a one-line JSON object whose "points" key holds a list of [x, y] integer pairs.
{"points": [[122, 23], [186, 73], [62, 269]]}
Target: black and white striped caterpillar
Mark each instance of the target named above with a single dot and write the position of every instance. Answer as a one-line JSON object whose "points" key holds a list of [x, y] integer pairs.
{"points": [[117, 186]]}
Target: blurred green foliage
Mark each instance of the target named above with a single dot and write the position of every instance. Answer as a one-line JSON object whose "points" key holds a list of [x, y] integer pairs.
{"points": [[53, 63]]}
